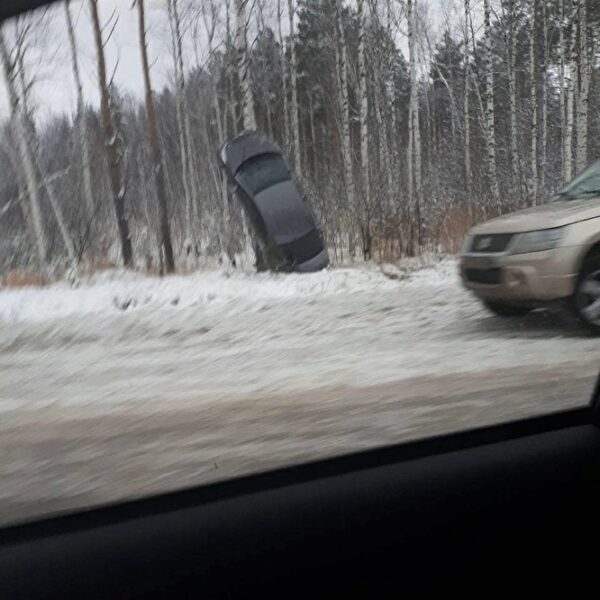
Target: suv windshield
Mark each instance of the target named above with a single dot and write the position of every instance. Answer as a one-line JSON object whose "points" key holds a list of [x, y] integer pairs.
{"points": [[585, 185]]}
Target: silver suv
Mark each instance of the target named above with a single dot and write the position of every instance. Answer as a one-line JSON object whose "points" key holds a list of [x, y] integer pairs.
{"points": [[531, 257]]}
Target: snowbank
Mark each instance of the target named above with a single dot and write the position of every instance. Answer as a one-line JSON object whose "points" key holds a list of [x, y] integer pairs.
{"points": [[118, 291]]}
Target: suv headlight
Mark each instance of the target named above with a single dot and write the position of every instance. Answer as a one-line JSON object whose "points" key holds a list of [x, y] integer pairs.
{"points": [[537, 241]]}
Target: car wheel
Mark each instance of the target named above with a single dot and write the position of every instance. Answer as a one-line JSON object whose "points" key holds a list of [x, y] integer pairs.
{"points": [[506, 309], [586, 300]]}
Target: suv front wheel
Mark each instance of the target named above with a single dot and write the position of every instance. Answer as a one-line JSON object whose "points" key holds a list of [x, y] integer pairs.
{"points": [[585, 303]]}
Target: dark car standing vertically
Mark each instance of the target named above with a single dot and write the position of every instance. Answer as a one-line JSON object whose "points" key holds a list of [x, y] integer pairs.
{"points": [[284, 225]]}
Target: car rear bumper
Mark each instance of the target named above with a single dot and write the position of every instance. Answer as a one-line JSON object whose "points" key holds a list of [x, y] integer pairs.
{"points": [[316, 263], [538, 276]]}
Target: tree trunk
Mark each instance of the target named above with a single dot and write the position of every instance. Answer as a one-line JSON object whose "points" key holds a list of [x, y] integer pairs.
{"points": [[414, 133], [82, 133], [364, 117], [60, 219], [344, 103], [221, 118], [533, 172], [294, 86], [154, 139], [544, 77], [512, 92], [286, 109], [32, 143], [571, 91], [385, 158], [110, 138], [313, 136], [586, 68], [561, 79], [248, 112], [177, 50], [25, 154], [466, 104], [490, 129]]}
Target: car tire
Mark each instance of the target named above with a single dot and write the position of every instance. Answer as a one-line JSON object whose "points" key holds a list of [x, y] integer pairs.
{"points": [[587, 294], [506, 309]]}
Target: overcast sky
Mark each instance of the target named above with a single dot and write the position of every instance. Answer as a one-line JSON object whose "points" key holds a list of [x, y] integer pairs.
{"points": [[49, 58]]}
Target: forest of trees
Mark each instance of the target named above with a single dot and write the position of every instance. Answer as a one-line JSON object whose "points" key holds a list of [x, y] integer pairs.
{"points": [[406, 121]]}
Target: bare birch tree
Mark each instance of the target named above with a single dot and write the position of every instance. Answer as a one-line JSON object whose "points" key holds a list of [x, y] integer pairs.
{"points": [[490, 117], [344, 104], [154, 139], [466, 100], [117, 182], [248, 110], [364, 112], [284, 70], [561, 79], [25, 154], [571, 92], [586, 59], [545, 89], [210, 15], [294, 89], [533, 170], [243, 62], [512, 93], [414, 130], [82, 133], [182, 124]]}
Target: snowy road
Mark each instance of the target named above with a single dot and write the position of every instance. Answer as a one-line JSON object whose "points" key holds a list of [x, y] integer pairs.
{"points": [[131, 385]]}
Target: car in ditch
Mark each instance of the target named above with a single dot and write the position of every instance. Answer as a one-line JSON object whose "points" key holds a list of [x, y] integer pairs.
{"points": [[546, 253], [283, 223]]}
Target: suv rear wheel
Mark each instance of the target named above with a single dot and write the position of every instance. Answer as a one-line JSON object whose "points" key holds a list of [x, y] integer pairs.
{"points": [[506, 309], [586, 301]]}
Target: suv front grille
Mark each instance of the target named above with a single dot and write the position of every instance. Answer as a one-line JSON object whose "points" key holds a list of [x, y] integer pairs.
{"points": [[497, 242], [484, 276]]}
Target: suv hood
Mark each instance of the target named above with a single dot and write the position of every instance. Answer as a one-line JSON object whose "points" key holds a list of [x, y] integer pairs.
{"points": [[545, 216]]}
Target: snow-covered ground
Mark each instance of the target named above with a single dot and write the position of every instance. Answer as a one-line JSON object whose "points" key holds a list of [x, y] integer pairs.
{"points": [[127, 385], [128, 340]]}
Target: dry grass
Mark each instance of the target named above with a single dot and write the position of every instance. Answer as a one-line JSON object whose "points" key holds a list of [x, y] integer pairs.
{"points": [[453, 228], [89, 266], [17, 279]]}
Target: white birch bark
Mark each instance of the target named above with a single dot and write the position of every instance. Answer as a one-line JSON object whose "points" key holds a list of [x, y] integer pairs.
{"points": [[512, 93], [571, 91], [344, 103], [414, 133], [533, 170], [32, 142], [284, 71], [490, 118], [561, 79], [176, 48], [243, 63], [466, 102], [364, 105], [294, 89], [82, 133], [544, 79], [25, 154], [248, 112], [62, 224], [210, 22], [586, 68]]}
